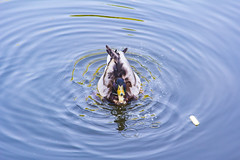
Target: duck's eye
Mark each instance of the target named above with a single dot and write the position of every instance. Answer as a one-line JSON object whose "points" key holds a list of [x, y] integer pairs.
{"points": [[121, 94]]}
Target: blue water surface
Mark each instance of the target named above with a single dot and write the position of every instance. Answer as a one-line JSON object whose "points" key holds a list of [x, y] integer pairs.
{"points": [[52, 54]]}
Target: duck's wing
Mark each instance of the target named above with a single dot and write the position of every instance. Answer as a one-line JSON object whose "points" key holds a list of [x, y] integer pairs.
{"points": [[131, 78], [135, 89], [106, 81]]}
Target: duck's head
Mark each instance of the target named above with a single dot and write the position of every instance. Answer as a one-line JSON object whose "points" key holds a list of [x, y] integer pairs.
{"points": [[120, 87]]}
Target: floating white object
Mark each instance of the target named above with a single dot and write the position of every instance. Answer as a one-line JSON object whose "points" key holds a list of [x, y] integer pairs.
{"points": [[194, 120]]}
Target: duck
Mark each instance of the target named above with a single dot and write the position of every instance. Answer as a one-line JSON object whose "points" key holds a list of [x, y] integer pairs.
{"points": [[118, 84]]}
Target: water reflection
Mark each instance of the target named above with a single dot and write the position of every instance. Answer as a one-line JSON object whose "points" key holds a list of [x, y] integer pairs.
{"points": [[129, 29], [121, 6], [103, 16], [121, 115]]}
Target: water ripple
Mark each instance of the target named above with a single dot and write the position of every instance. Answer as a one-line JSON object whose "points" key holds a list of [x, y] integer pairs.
{"points": [[52, 56]]}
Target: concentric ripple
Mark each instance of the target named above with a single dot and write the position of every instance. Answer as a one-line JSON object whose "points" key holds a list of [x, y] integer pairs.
{"points": [[52, 55], [88, 69]]}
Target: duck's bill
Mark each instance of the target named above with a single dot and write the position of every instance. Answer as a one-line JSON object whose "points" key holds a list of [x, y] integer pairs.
{"points": [[121, 93]]}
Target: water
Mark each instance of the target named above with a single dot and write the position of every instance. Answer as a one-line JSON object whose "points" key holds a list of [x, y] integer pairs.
{"points": [[53, 53]]}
